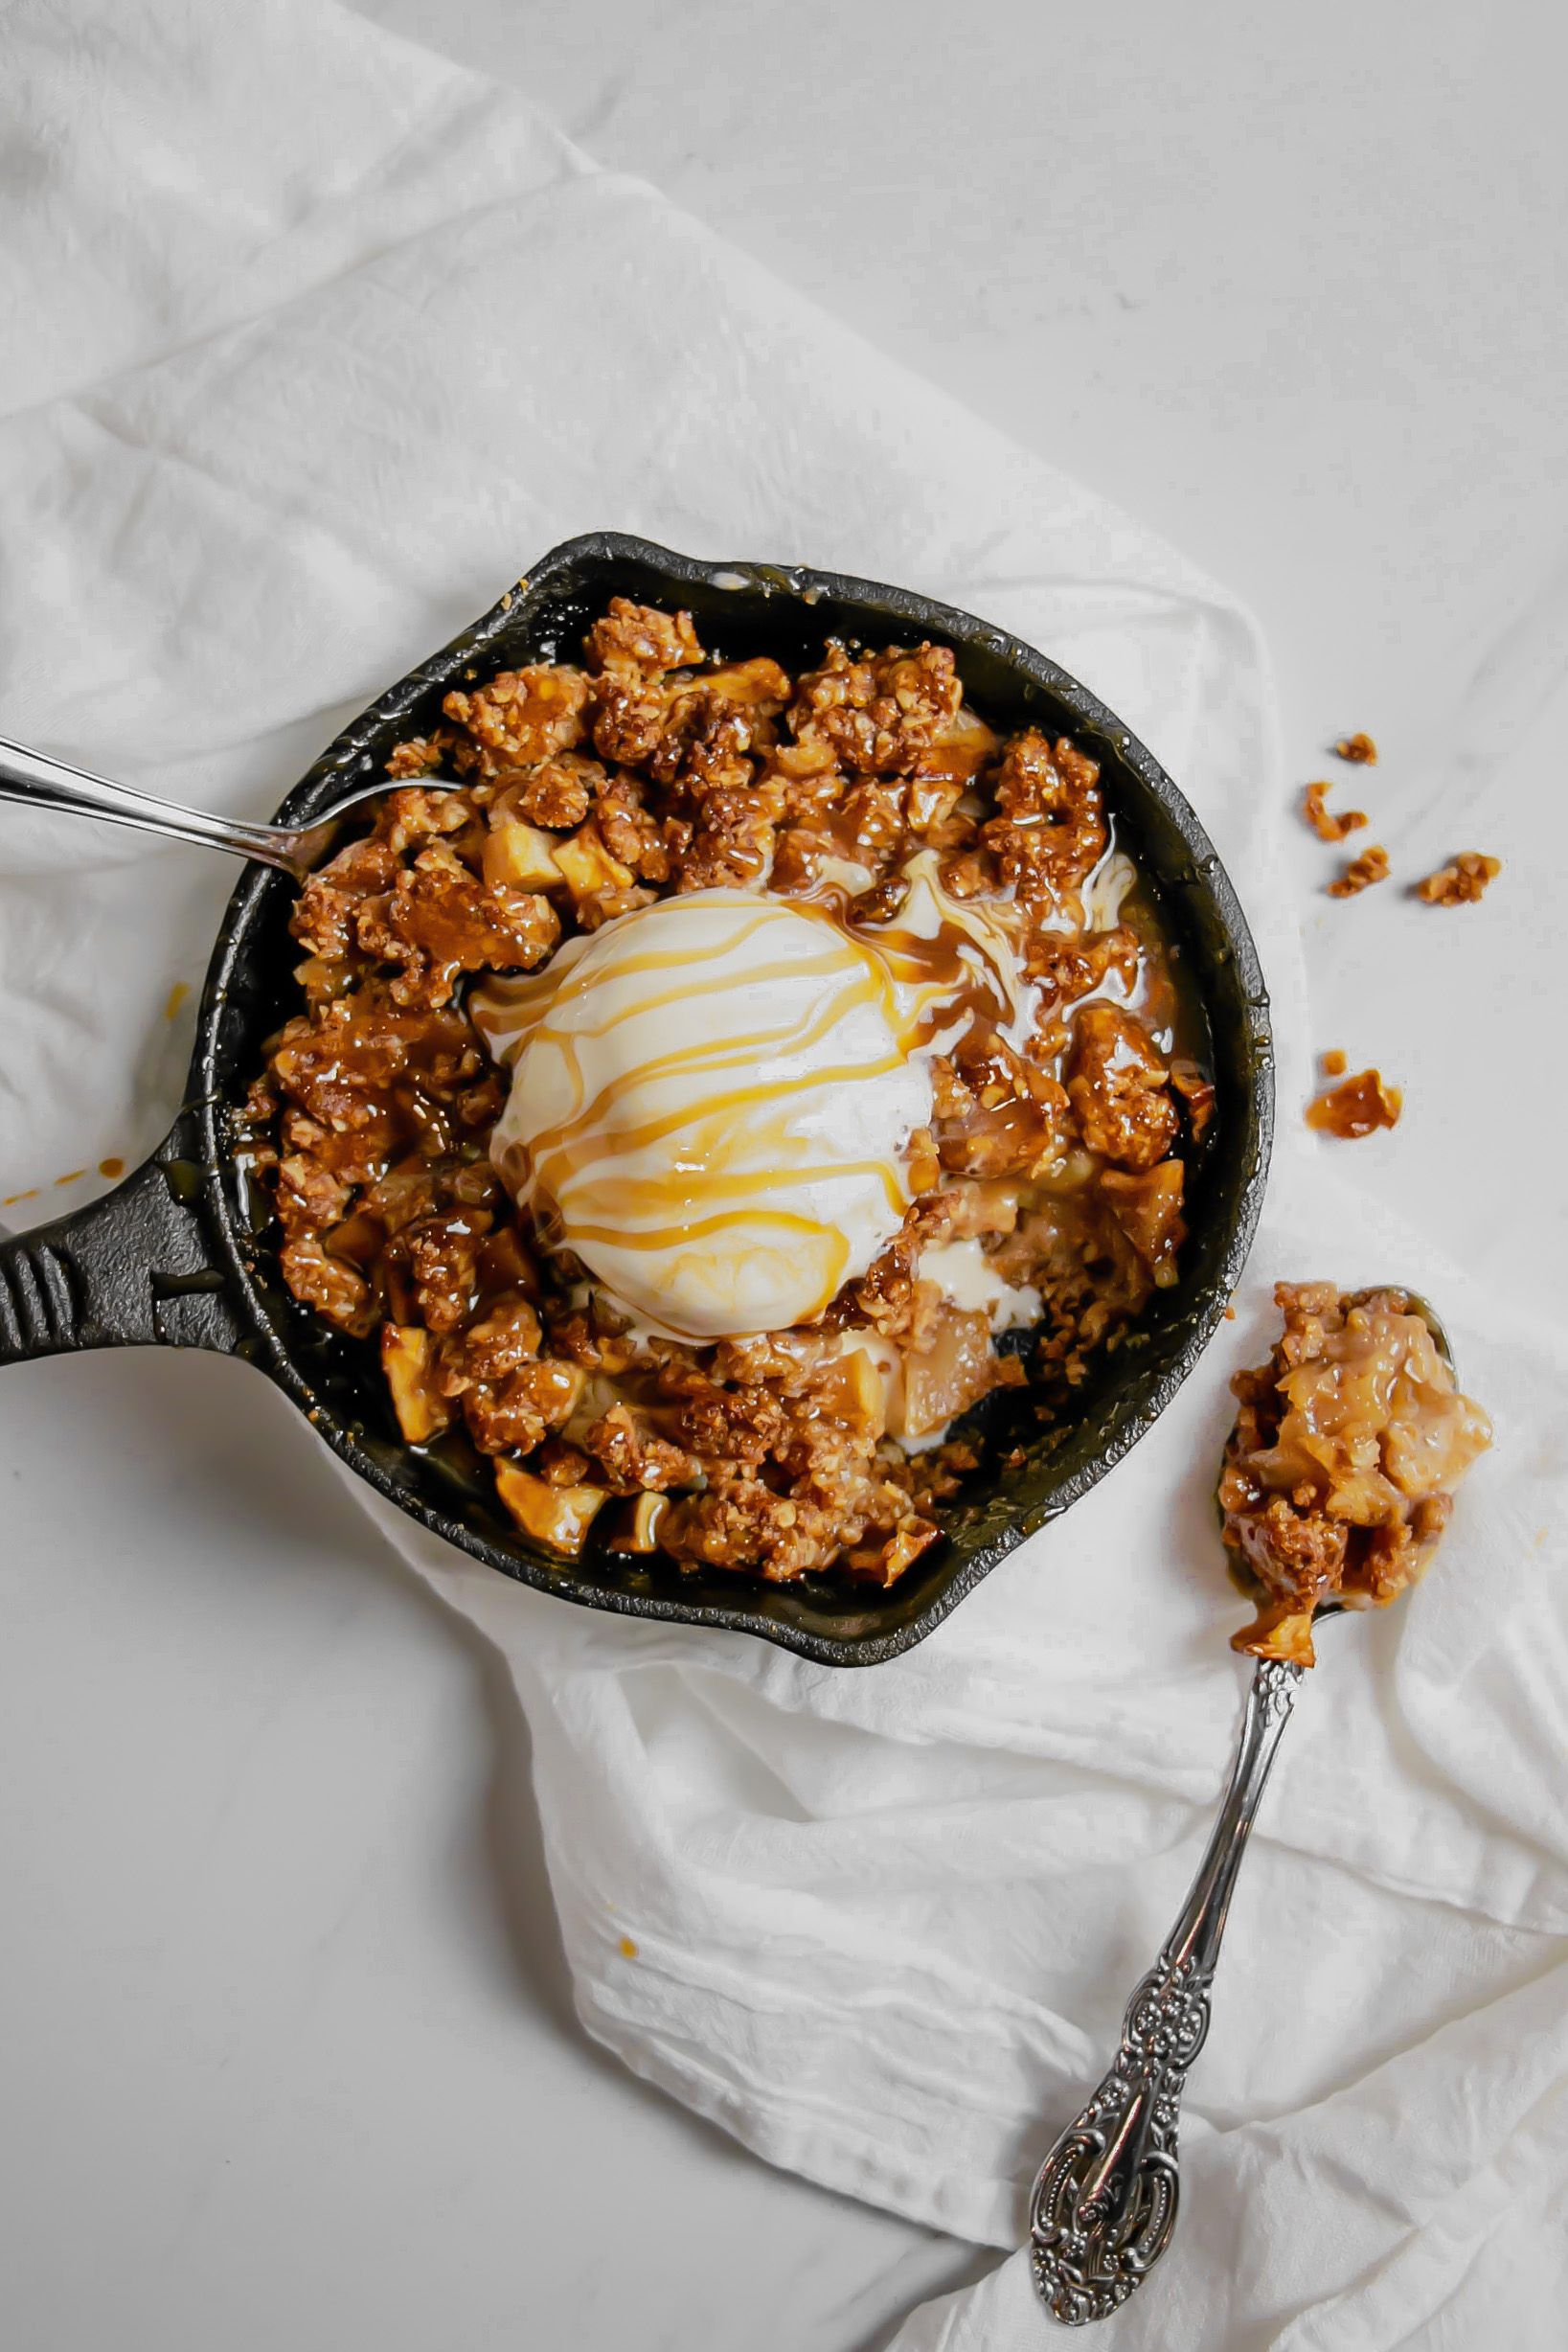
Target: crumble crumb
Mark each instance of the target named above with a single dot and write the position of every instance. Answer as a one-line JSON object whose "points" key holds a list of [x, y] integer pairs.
{"points": [[1328, 826], [1460, 882], [1358, 1107], [1372, 866]]}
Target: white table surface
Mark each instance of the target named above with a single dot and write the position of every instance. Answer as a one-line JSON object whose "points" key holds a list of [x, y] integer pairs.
{"points": [[288, 2056]]}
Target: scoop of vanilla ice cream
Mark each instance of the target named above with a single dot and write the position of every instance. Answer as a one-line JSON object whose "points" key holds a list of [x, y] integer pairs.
{"points": [[712, 1100]]}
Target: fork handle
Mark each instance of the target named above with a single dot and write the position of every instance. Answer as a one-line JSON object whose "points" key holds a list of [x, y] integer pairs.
{"points": [[40, 782], [1105, 2202]]}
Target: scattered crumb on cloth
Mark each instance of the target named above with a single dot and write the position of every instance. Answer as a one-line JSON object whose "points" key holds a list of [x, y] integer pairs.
{"points": [[1328, 826], [1357, 1106], [1460, 882], [1372, 866]]}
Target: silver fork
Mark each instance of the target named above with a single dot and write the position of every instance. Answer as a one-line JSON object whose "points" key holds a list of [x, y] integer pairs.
{"points": [[38, 782]]}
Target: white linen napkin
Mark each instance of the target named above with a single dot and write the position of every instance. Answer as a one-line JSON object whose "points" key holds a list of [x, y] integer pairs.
{"points": [[327, 340]]}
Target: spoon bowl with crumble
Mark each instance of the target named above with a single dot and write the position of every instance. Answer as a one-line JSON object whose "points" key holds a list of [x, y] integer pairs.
{"points": [[1337, 1483]]}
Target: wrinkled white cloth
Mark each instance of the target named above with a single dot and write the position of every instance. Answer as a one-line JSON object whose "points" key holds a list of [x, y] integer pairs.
{"points": [[324, 340]]}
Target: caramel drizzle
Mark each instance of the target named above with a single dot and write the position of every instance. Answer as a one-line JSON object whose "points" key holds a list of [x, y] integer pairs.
{"points": [[928, 974], [691, 1196]]}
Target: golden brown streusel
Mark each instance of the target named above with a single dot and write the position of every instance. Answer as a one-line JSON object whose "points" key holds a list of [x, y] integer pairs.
{"points": [[557, 796]]}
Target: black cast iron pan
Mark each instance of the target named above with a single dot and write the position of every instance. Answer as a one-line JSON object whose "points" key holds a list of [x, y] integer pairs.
{"points": [[182, 1255]]}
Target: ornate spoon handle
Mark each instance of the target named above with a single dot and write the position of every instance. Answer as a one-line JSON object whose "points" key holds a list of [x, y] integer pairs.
{"points": [[1105, 2203]]}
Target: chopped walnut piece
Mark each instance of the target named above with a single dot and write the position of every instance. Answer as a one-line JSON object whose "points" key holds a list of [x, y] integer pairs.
{"points": [[439, 920], [1119, 1087], [558, 793], [641, 638], [511, 1415], [441, 1257], [421, 756], [323, 918], [1359, 749], [521, 717], [1460, 882], [335, 1289], [1358, 1107], [1329, 826], [1051, 829], [633, 1460], [877, 714]]}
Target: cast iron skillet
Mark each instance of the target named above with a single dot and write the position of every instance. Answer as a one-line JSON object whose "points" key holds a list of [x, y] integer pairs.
{"points": [[181, 1255]]}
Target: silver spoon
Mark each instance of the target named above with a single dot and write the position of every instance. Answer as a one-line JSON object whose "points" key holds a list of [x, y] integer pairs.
{"points": [[40, 782], [1103, 2204]]}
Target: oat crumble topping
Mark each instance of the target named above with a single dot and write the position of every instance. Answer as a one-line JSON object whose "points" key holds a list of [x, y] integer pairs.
{"points": [[571, 794]]}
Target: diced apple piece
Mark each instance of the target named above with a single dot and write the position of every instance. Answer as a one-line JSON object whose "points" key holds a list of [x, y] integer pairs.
{"points": [[1148, 1208], [520, 857], [587, 864], [982, 1205], [1283, 1630], [756, 685], [407, 1358], [558, 1517], [852, 1390], [958, 1368], [636, 1526]]}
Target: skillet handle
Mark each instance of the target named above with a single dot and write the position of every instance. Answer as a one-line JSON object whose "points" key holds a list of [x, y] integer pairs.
{"points": [[134, 1269]]}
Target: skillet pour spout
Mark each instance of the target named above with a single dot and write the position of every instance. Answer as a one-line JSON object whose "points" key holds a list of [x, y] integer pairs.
{"points": [[183, 1253]]}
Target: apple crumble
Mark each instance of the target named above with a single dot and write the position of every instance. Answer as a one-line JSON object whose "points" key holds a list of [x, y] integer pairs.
{"points": [[1340, 1473], [711, 1083]]}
